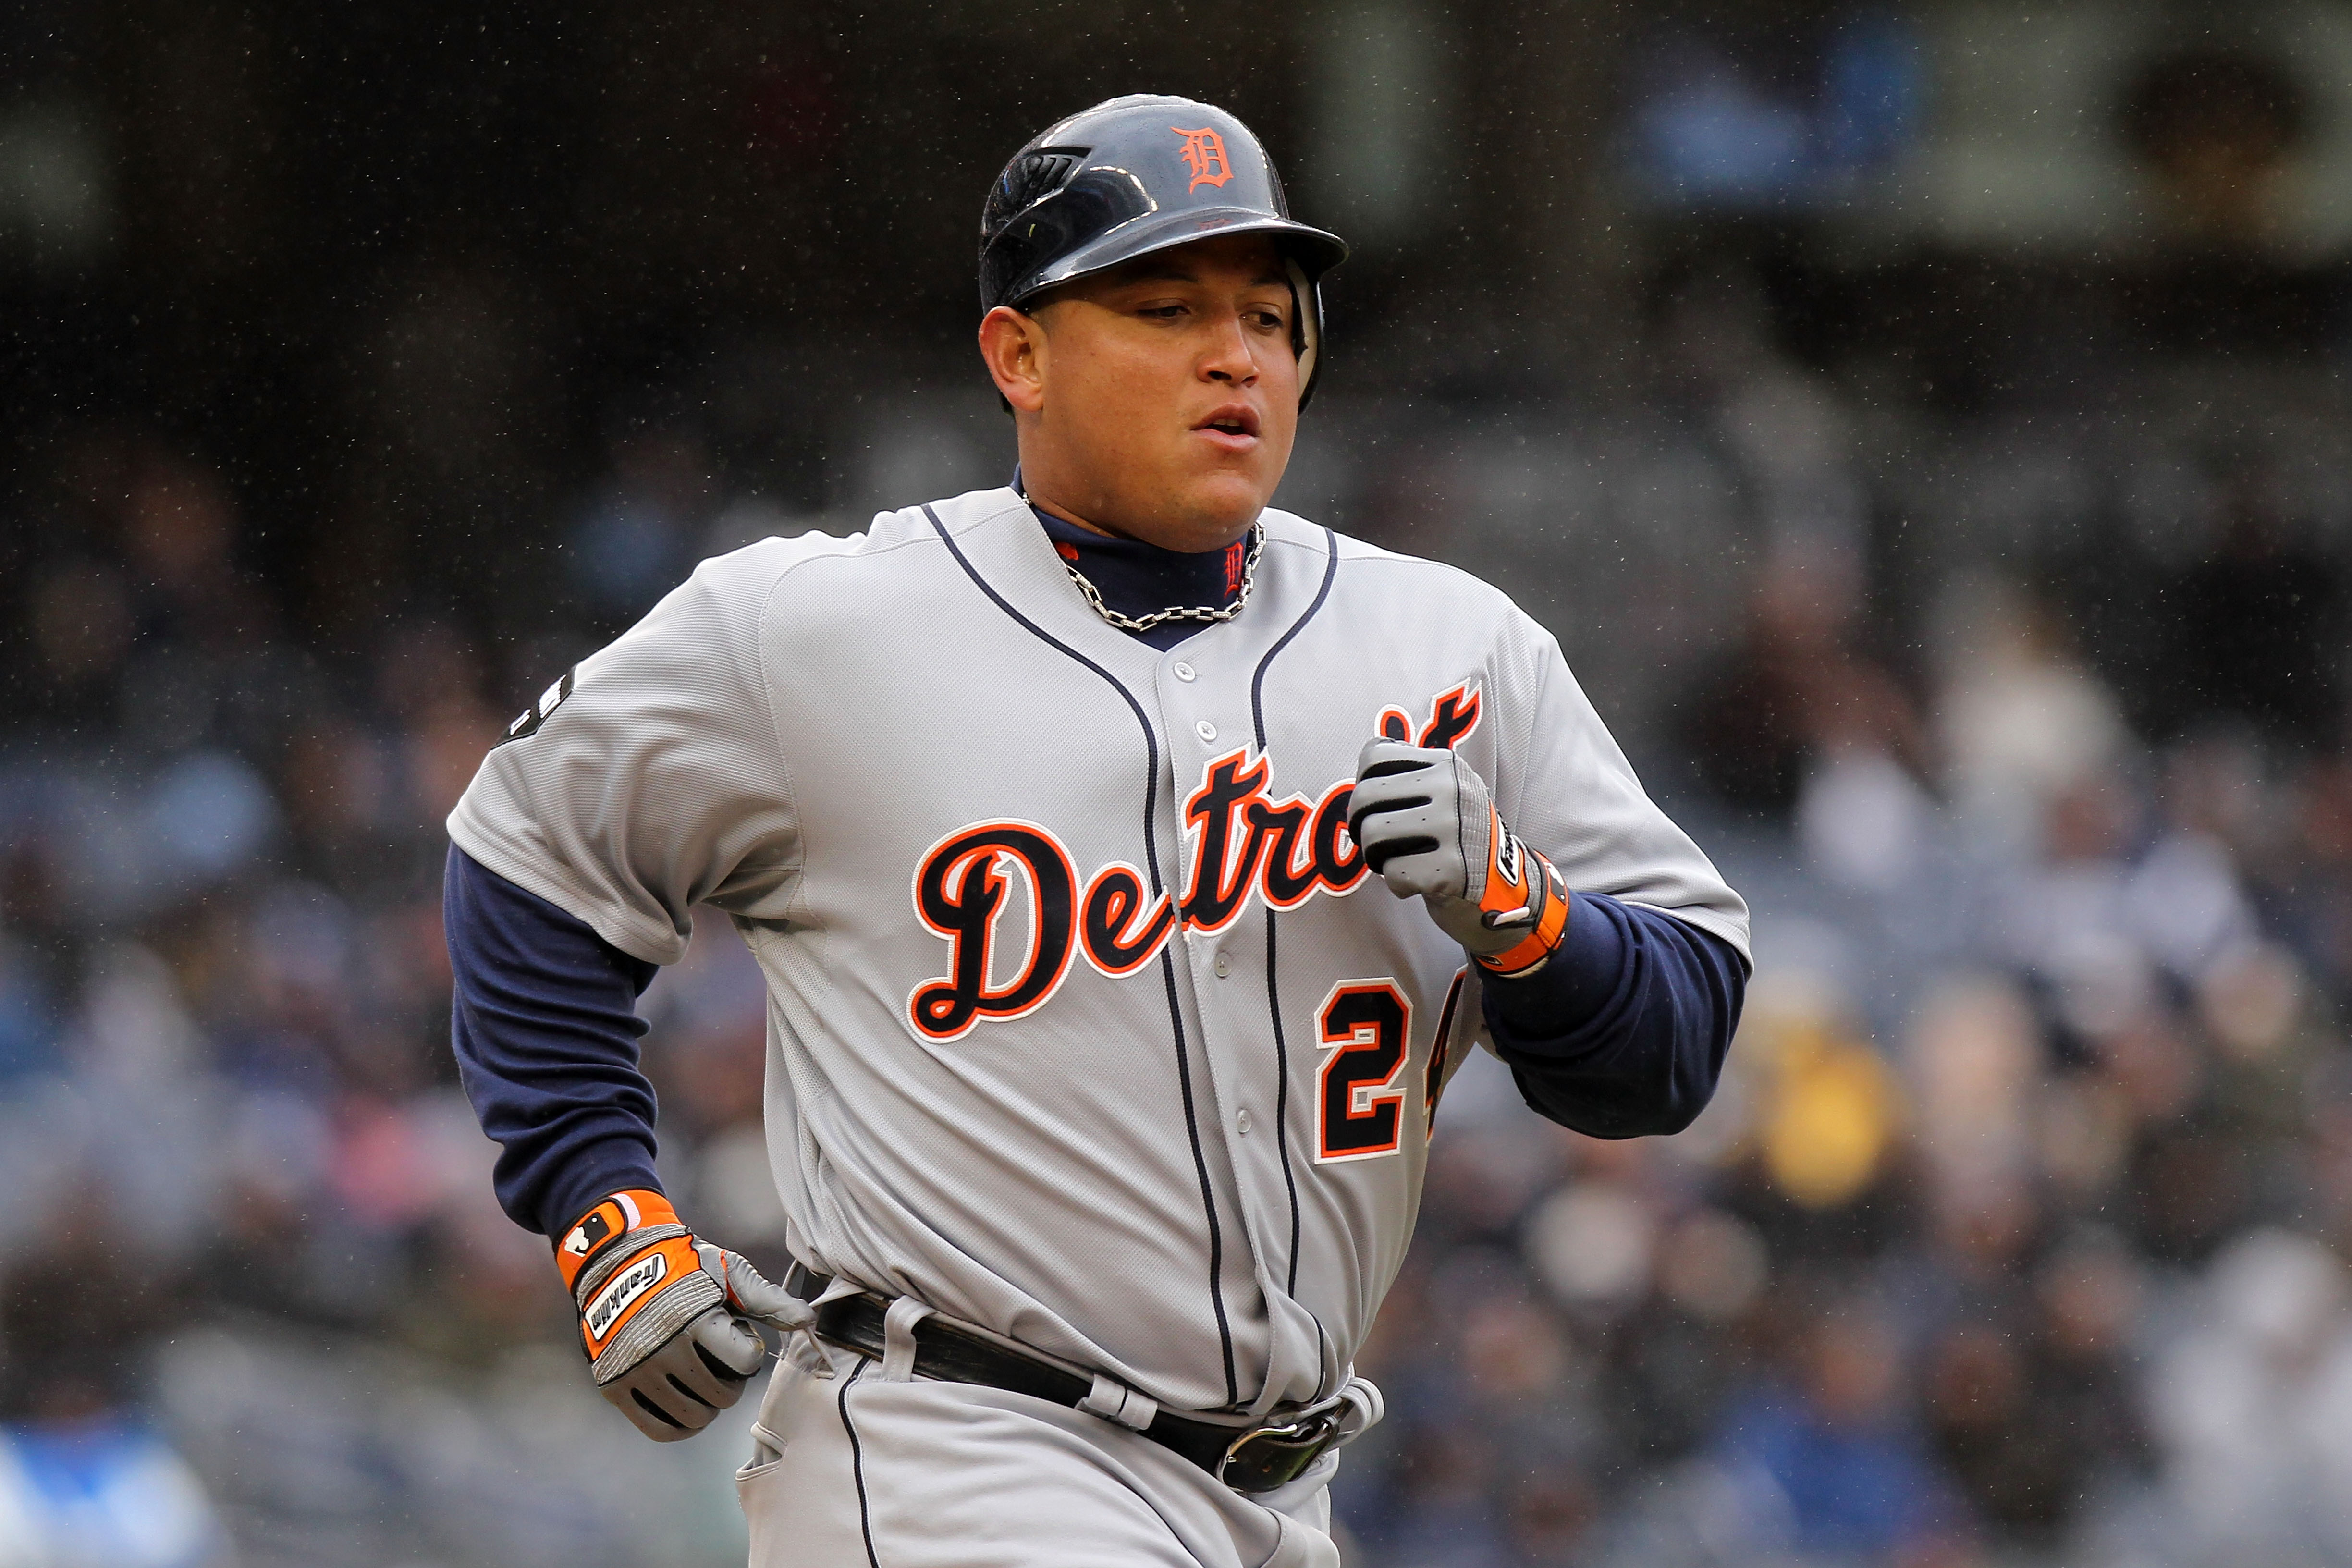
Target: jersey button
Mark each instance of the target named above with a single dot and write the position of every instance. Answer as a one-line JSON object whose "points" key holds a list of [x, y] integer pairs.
{"points": [[1224, 966], [1240, 1121], [1206, 731], [1183, 671]]}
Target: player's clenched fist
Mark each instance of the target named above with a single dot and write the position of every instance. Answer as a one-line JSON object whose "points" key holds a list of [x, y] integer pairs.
{"points": [[662, 1317], [1427, 825]]}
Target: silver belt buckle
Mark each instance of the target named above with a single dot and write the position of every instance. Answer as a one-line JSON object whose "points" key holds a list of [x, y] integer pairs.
{"points": [[1278, 1453]]}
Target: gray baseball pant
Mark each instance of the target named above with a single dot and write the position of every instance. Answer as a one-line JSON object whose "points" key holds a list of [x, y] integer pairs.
{"points": [[856, 1471]]}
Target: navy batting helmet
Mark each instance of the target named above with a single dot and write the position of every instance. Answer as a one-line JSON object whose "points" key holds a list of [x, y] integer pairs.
{"points": [[1138, 174]]}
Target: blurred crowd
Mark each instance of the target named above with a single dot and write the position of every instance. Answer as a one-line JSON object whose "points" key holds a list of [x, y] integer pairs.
{"points": [[258, 1287], [2006, 678]]}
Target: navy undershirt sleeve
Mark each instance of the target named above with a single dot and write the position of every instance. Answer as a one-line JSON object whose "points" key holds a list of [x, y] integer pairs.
{"points": [[544, 1020], [1624, 1033]]}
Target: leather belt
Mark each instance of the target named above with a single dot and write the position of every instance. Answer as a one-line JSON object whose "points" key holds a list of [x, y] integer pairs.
{"points": [[1247, 1458]]}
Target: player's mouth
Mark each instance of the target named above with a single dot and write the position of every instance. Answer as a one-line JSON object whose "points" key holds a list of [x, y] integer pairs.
{"points": [[1231, 428]]}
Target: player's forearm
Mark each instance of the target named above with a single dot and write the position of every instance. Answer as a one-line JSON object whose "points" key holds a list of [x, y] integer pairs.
{"points": [[1624, 1033], [544, 1024]]}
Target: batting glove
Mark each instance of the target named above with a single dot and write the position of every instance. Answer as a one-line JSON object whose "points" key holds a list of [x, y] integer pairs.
{"points": [[1427, 825], [665, 1319]]}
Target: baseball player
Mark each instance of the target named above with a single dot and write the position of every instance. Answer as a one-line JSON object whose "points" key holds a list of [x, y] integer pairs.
{"points": [[1131, 864]]}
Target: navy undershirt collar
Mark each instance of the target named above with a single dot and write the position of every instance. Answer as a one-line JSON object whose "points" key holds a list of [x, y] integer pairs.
{"points": [[1137, 579]]}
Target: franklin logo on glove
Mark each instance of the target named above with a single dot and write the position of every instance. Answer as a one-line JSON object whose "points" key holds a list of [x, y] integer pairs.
{"points": [[617, 1296]]}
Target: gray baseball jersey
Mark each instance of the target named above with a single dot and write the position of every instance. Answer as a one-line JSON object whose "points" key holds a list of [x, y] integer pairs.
{"points": [[1088, 1023]]}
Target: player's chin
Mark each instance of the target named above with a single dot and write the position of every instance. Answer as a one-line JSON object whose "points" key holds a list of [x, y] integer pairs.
{"points": [[1230, 493], [1216, 511]]}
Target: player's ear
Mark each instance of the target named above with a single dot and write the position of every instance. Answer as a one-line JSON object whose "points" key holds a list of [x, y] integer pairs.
{"points": [[1013, 345]]}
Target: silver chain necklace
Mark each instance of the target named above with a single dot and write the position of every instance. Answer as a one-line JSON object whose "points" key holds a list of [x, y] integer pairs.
{"points": [[1182, 612]]}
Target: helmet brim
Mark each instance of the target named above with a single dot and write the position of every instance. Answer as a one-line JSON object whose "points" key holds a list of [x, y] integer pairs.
{"points": [[1316, 252]]}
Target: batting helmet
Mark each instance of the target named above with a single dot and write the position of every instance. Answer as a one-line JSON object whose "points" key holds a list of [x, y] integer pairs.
{"points": [[1138, 174]]}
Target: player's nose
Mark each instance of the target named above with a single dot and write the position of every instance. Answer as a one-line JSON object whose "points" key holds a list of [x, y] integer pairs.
{"points": [[1229, 358]]}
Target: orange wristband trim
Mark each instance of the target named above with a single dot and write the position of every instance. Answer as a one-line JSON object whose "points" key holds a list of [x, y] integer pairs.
{"points": [[1539, 943], [610, 1217]]}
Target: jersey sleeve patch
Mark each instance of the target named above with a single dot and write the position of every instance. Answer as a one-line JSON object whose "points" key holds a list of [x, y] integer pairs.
{"points": [[528, 721]]}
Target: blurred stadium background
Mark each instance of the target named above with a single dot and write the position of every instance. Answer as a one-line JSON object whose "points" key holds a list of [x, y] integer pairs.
{"points": [[1924, 425]]}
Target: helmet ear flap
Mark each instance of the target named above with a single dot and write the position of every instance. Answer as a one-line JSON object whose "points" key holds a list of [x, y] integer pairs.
{"points": [[1305, 326]]}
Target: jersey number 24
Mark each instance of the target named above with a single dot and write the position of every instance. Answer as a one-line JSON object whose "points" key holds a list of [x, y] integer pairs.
{"points": [[1367, 1028]]}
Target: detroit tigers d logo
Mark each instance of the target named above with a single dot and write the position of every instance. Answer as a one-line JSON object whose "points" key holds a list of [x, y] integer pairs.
{"points": [[1204, 153]]}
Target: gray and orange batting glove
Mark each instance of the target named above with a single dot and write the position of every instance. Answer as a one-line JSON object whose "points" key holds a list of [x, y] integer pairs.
{"points": [[666, 1320], [1427, 825]]}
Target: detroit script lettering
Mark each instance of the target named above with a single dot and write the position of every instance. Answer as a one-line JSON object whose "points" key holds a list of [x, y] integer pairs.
{"points": [[1243, 842]]}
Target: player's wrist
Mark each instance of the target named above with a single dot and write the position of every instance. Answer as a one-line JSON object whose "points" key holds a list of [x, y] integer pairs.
{"points": [[590, 1240], [589, 1171]]}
